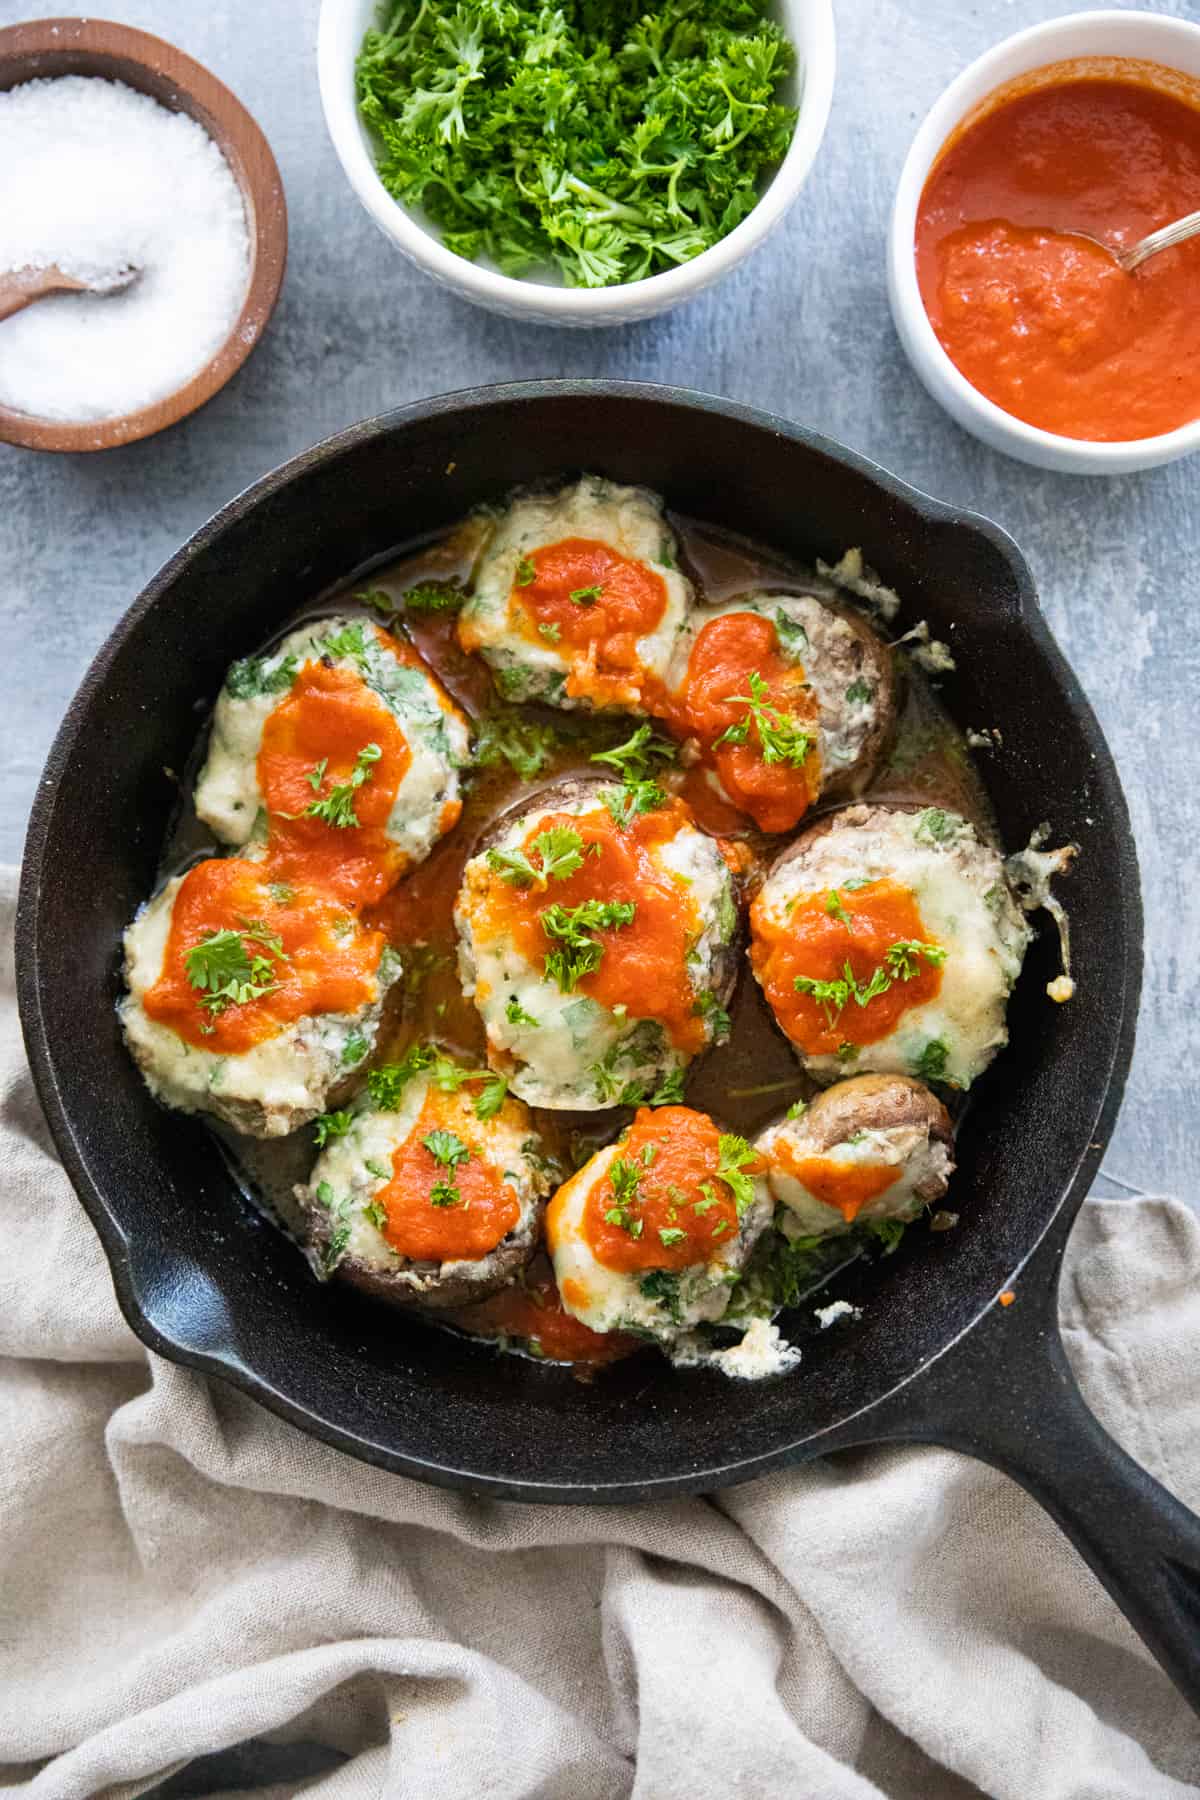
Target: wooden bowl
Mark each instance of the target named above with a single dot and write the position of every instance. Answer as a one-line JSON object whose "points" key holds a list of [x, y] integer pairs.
{"points": [[51, 47]]}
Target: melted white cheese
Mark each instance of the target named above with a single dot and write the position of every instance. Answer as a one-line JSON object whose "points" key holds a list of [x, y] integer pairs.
{"points": [[762, 1351], [628, 520]]}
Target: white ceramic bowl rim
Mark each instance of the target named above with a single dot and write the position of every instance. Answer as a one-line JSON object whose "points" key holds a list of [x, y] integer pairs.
{"points": [[814, 43], [948, 111]]}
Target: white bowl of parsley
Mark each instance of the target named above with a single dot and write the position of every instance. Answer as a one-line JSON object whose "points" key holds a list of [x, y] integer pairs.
{"points": [[584, 163]]}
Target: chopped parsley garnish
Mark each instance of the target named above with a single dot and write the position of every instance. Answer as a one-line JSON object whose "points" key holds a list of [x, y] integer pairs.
{"points": [[902, 960], [634, 761], [447, 1152], [606, 143], [797, 1109], [832, 995], [624, 1177], [625, 803], [386, 1085], [551, 633], [635, 758], [331, 1125], [433, 596], [337, 808], [316, 774], [736, 1156], [835, 909], [793, 639], [859, 692], [935, 826], [888, 1231], [349, 641], [587, 596], [707, 1006], [506, 735], [339, 1228], [250, 677], [378, 1169], [931, 1064], [906, 956], [671, 1234], [780, 739], [559, 852], [226, 972], [374, 1212], [526, 572], [669, 1091], [579, 953], [515, 1013], [354, 1049], [662, 1286]]}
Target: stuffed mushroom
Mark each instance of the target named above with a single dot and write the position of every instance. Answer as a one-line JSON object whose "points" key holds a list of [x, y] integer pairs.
{"points": [[888, 940], [785, 699], [874, 1147], [652, 1233], [578, 598], [598, 943], [430, 1192], [251, 999], [343, 749]]}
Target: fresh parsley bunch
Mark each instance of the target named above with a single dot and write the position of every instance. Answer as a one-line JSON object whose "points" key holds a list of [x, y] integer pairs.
{"points": [[605, 137]]}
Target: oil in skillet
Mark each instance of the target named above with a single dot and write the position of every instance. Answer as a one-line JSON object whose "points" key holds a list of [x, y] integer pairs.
{"points": [[744, 1083]]}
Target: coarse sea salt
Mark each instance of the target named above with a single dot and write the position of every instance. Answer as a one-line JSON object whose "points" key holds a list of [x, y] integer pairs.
{"points": [[94, 176]]}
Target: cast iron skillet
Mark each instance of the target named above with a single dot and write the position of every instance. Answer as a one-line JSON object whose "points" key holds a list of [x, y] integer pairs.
{"points": [[206, 1282]]}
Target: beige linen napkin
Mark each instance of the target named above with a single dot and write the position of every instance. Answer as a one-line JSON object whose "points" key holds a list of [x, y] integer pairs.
{"points": [[180, 1571]]}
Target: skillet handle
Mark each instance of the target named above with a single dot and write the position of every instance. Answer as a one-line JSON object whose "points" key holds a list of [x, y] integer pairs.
{"points": [[1005, 1393]]}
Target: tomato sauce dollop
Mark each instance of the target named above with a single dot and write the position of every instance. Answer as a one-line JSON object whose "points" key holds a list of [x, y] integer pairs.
{"points": [[1039, 321], [617, 602], [326, 961], [644, 967], [846, 1186], [310, 744], [484, 1213], [817, 943], [727, 651], [687, 1212]]}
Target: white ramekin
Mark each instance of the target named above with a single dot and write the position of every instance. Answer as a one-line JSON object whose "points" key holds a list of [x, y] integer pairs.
{"points": [[1148, 37], [809, 24]]}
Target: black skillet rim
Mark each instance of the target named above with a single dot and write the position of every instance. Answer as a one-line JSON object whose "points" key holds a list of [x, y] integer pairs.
{"points": [[851, 1428]]}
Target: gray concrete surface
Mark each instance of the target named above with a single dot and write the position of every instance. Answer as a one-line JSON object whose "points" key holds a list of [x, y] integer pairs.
{"points": [[803, 329]]}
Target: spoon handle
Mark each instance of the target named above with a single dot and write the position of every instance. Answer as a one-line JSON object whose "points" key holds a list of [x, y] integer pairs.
{"points": [[1183, 228], [18, 287]]}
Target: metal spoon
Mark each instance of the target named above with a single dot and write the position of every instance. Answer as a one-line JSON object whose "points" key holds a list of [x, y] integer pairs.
{"points": [[1136, 255], [20, 287]]}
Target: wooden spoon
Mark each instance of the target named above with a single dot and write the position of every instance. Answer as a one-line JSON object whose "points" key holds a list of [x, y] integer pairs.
{"points": [[20, 287]]}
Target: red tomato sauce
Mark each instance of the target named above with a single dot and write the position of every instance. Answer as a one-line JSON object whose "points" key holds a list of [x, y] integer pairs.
{"points": [[325, 961], [531, 1309], [310, 745], [848, 1187], [776, 794], [644, 967], [686, 1211], [1045, 324], [819, 944], [617, 601], [484, 1213]]}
